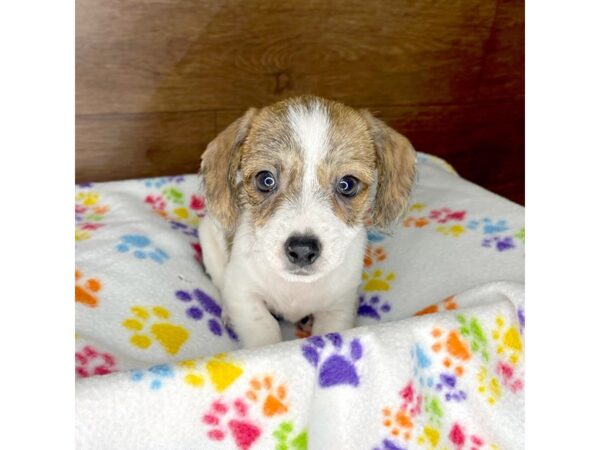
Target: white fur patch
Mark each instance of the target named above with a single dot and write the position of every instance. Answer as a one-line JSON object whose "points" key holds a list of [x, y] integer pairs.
{"points": [[310, 127]]}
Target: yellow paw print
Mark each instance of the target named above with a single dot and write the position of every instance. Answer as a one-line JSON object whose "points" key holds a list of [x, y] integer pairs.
{"points": [[82, 235], [429, 438], [375, 282], [274, 397], [508, 341], [488, 386], [451, 230], [221, 372], [170, 336], [87, 198], [417, 207]]}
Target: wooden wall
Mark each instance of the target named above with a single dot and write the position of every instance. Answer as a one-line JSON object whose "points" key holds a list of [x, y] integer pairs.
{"points": [[157, 79]]}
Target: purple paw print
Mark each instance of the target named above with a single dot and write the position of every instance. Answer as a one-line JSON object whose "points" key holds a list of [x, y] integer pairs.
{"points": [[205, 305], [387, 444], [447, 384], [372, 307], [501, 244], [335, 369], [188, 231], [521, 315]]}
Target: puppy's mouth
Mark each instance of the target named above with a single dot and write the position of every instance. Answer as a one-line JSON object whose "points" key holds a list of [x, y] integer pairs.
{"points": [[301, 271]]}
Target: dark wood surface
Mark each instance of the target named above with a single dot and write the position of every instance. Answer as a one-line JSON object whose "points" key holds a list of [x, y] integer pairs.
{"points": [[158, 79]]}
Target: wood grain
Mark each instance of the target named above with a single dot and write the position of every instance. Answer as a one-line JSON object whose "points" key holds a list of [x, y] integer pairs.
{"points": [[157, 79]]}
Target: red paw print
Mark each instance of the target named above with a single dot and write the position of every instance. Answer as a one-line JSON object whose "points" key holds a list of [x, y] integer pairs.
{"points": [[197, 203], [89, 361], [157, 202], [462, 441], [444, 215], [223, 419]]}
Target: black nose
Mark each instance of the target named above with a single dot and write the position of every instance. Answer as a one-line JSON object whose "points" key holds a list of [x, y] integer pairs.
{"points": [[302, 250]]}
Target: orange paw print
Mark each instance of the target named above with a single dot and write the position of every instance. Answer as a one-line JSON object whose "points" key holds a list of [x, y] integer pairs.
{"points": [[417, 222], [457, 351], [398, 422], [274, 400], [374, 254], [447, 305], [85, 294]]}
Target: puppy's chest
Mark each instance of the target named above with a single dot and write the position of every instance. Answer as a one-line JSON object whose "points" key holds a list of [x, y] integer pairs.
{"points": [[294, 301]]}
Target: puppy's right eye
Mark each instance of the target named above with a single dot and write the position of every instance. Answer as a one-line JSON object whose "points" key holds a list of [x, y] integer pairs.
{"points": [[265, 181]]}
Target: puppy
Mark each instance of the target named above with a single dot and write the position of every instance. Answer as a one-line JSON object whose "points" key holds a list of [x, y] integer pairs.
{"points": [[289, 190]]}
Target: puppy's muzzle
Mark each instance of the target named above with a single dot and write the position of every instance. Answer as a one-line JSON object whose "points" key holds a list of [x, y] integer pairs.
{"points": [[302, 250]]}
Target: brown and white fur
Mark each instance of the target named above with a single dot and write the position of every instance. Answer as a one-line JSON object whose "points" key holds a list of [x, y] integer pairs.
{"points": [[308, 144]]}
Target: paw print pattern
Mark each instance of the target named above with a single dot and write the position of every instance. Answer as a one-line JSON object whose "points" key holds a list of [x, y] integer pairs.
{"points": [[224, 419], [433, 409], [272, 398], [86, 293], [415, 222], [418, 207], [140, 245], [202, 305], [374, 281], [429, 438], [488, 226], [336, 368], [197, 203], [174, 195], [451, 230], [373, 307], [374, 254], [400, 421], [375, 236], [444, 215], [197, 252], [158, 204], [185, 229], [388, 444], [508, 341], [455, 349], [447, 386], [87, 198], [171, 337], [462, 441], [520, 235], [488, 386], [285, 441], [221, 372], [421, 366], [499, 243], [157, 375], [473, 331], [159, 182], [89, 361], [87, 213], [448, 304], [508, 377]]}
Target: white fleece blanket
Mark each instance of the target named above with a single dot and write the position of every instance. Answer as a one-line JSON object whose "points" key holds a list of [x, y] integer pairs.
{"points": [[436, 362]]}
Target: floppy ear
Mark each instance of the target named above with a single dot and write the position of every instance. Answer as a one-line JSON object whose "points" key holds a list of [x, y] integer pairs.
{"points": [[220, 163], [396, 160]]}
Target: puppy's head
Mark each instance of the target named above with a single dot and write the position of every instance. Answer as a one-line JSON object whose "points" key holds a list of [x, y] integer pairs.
{"points": [[306, 174]]}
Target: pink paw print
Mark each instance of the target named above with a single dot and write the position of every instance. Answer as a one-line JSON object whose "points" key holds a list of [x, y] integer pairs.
{"points": [[156, 201], [89, 361], [462, 441], [444, 215], [223, 419], [197, 203], [509, 379]]}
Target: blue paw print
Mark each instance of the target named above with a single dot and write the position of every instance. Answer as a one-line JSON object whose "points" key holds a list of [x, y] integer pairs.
{"points": [[185, 229], [421, 365], [375, 236], [156, 182], [157, 374], [336, 369], [141, 248], [388, 444], [205, 305], [373, 307], [488, 225], [501, 244], [447, 386]]}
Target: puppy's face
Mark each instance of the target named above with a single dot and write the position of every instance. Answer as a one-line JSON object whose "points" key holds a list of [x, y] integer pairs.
{"points": [[303, 174]]}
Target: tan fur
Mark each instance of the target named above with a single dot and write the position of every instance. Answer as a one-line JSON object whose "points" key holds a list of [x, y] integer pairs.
{"points": [[396, 171], [219, 167]]}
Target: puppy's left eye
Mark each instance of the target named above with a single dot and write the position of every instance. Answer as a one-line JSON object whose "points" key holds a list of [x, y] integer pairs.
{"points": [[265, 181], [347, 186]]}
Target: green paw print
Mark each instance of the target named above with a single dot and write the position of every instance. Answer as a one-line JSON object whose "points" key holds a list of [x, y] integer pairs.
{"points": [[473, 331], [282, 437], [174, 195], [520, 234], [433, 409]]}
